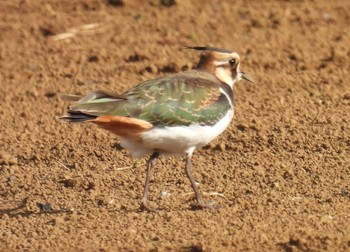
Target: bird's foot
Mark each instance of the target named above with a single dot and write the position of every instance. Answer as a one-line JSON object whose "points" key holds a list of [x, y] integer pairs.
{"points": [[203, 205], [145, 207]]}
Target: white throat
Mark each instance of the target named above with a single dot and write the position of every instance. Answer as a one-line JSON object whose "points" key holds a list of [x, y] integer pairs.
{"points": [[224, 75]]}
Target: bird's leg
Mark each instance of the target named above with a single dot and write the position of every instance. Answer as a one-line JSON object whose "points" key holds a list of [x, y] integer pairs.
{"points": [[200, 201], [150, 164]]}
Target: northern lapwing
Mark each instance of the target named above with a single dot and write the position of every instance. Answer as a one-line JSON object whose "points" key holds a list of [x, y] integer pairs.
{"points": [[170, 116]]}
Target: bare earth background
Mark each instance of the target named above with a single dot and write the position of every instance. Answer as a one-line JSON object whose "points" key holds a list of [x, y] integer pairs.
{"points": [[281, 170]]}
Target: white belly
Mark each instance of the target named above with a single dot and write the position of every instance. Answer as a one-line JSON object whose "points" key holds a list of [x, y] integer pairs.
{"points": [[177, 140]]}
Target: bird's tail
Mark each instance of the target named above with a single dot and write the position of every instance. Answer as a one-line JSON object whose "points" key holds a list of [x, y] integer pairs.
{"points": [[76, 117], [89, 107]]}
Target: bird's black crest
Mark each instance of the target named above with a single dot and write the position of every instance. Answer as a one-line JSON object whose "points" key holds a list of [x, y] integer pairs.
{"points": [[208, 48]]}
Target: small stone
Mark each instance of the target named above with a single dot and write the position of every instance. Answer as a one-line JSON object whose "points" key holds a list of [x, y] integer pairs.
{"points": [[46, 207], [164, 194], [222, 147], [275, 185]]}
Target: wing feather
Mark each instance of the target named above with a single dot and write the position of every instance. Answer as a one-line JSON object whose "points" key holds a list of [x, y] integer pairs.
{"points": [[182, 99]]}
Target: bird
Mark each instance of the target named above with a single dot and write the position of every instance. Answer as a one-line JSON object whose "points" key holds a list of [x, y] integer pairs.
{"points": [[168, 116]]}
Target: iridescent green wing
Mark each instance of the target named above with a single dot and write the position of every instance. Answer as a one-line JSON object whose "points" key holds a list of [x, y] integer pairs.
{"points": [[177, 100], [180, 99]]}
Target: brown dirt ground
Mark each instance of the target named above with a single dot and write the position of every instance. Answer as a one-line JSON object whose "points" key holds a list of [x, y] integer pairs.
{"points": [[281, 170]]}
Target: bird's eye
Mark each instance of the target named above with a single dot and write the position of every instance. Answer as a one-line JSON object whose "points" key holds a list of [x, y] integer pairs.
{"points": [[232, 62]]}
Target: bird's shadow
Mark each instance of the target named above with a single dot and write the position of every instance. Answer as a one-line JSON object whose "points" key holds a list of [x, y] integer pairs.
{"points": [[20, 210]]}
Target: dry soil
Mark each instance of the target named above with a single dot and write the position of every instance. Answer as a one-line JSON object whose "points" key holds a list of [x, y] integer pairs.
{"points": [[281, 171]]}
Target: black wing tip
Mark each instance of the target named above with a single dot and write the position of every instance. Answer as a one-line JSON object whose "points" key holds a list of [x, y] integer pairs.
{"points": [[208, 48]]}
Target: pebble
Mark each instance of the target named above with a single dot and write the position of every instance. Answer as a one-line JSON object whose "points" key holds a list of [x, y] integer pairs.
{"points": [[222, 147]]}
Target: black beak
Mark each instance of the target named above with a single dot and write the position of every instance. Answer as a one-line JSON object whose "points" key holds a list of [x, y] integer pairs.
{"points": [[247, 77]]}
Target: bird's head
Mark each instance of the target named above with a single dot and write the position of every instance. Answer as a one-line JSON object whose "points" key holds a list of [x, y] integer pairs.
{"points": [[224, 64]]}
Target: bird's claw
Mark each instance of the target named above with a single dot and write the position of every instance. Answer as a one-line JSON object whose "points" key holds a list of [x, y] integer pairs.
{"points": [[145, 207], [202, 205]]}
